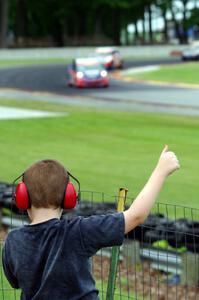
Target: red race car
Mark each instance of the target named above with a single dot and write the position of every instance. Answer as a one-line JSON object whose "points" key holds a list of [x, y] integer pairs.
{"points": [[87, 72]]}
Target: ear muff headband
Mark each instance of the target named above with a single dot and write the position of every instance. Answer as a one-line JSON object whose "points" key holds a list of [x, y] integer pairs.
{"points": [[78, 183], [22, 199], [20, 194], [71, 196]]}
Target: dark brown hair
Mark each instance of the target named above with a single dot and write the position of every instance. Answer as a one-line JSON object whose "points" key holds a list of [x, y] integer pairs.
{"points": [[46, 182]]}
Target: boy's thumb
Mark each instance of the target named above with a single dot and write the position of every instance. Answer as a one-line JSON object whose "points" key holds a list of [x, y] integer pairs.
{"points": [[166, 148]]}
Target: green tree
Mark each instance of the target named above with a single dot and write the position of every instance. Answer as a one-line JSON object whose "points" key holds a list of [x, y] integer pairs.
{"points": [[3, 23]]}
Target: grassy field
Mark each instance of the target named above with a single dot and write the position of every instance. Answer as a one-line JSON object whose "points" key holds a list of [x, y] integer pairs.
{"points": [[179, 73], [104, 149]]}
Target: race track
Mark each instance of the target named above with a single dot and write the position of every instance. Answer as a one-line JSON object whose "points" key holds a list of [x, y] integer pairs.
{"points": [[120, 95]]}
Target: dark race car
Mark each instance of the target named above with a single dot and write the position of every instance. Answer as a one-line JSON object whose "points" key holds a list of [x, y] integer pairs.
{"points": [[87, 72]]}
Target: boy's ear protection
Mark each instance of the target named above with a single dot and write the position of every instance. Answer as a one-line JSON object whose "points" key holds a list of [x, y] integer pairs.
{"points": [[22, 199]]}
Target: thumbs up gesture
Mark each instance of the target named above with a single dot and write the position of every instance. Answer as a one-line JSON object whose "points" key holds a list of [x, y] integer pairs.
{"points": [[168, 162]]}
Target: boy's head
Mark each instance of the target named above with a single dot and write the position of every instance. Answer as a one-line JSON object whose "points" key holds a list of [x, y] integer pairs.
{"points": [[46, 182]]}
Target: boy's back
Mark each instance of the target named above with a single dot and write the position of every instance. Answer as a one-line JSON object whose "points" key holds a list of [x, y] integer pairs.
{"points": [[51, 260]]}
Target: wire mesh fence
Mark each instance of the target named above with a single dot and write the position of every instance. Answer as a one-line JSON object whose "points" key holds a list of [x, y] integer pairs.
{"points": [[158, 260]]}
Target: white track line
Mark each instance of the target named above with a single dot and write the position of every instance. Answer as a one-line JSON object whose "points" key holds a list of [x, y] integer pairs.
{"points": [[18, 113]]}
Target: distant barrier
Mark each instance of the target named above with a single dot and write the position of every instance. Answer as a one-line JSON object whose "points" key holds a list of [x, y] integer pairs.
{"points": [[153, 51], [159, 260]]}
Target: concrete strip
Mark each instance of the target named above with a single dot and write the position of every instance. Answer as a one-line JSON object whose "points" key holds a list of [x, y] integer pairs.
{"points": [[123, 102], [140, 70], [17, 113]]}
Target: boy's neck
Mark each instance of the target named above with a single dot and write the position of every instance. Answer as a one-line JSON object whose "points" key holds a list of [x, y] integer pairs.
{"points": [[39, 215]]}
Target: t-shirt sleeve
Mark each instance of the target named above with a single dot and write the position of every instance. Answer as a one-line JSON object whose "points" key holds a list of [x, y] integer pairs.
{"points": [[102, 231], [6, 267]]}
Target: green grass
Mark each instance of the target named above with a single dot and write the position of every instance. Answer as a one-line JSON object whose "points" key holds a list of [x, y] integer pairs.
{"points": [[182, 73], [104, 149], [28, 62]]}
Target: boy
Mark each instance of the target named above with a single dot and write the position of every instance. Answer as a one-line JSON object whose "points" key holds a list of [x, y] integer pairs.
{"points": [[49, 259]]}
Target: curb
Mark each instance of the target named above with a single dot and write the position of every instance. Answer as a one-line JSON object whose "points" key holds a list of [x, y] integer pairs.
{"points": [[117, 75]]}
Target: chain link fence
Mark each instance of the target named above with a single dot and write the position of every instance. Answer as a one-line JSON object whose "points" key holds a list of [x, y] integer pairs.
{"points": [[159, 260]]}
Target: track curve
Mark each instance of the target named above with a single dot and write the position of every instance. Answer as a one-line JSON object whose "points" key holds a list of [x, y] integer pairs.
{"points": [[52, 78], [133, 96]]}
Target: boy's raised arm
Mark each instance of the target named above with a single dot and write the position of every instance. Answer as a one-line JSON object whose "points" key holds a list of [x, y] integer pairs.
{"points": [[141, 206]]}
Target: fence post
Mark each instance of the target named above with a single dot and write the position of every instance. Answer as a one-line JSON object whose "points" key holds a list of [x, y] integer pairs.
{"points": [[115, 251], [131, 252], [190, 269]]}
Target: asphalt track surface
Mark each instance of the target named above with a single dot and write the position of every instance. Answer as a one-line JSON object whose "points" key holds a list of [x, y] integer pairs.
{"points": [[120, 95]]}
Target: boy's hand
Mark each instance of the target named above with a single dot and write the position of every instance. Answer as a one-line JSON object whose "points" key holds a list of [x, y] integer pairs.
{"points": [[168, 162], [141, 206]]}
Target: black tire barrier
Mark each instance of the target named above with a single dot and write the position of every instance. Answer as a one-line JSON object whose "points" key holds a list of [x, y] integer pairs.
{"points": [[178, 233]]}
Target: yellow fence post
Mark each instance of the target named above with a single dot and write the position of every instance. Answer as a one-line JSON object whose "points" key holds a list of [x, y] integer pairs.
{"points": [[115, 250]]}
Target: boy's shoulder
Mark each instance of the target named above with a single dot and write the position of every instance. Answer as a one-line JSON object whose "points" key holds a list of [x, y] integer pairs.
{"points": [[63, 222], [13, 233], [72, 224]]}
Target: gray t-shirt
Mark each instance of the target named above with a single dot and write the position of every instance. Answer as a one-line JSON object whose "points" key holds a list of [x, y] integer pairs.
{"points": [[51, 260]]}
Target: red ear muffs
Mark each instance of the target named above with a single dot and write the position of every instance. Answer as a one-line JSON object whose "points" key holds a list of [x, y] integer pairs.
{"points": [[22, 199], [21, 196], [70, 198]]}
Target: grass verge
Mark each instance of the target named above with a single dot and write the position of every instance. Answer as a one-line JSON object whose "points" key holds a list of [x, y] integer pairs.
{"points": [[29, 62], [187, 73], [61, 60]]}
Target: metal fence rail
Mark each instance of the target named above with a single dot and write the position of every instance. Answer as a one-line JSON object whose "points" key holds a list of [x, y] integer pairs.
{"points": [[159, 260]]}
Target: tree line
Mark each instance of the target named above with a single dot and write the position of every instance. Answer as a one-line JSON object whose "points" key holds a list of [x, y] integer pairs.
{"points": [[87, 22]]}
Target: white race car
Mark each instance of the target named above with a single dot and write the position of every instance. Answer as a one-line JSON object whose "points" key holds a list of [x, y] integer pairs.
{"points": [[110, 57]]}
